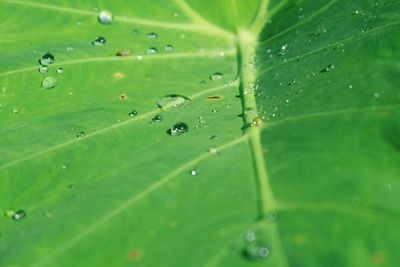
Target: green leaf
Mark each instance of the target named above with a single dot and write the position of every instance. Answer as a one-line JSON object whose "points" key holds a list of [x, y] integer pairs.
{"points": [[291, 157]]}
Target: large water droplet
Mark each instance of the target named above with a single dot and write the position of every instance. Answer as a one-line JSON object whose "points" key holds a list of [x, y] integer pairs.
{"points": [[47, 59], [216, 76], [99, 41], [105, 17], [49, 82], [172, 100], [178, 128]]}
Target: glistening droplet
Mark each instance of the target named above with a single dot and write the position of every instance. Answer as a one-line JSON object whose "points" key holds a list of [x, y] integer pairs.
{"points": [[168, 48], [178, 128], [172, 100], [43, 69], [49, 82], [47, 59], [105, 17], [152, 35], [216, 76], [99, 41], [157, 118]]}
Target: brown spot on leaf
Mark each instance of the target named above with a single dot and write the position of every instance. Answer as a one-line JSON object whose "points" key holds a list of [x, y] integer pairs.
{"points": [[118, 75], [378, 258], [135, 254], [123, 96], [123, 53], [214, 97]]}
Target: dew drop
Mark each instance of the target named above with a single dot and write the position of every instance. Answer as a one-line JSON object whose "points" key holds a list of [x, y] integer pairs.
{"points": [[172, 100], [168, 48], [328, 68], [47, 59], [350, 86], [133, 113], [43, 69], [151, 51], [99, 41], [60, 70], [212, 150], [14, 111], [157, 118], [194, 172], [272, 216], [80, 134], [203, 82], [152, 36], [48, 214], [105, 17], [216, 76], [18, 215], [376, 94], [257, 121], [213, 137], [178, 128], [49, 82]]}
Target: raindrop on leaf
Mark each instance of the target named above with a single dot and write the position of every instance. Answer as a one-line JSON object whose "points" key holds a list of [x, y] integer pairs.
{"points": [[105, 17]]}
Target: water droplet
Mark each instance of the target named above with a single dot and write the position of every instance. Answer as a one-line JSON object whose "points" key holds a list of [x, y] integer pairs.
{"points": [[151, 51], [47, 59], [214, 137], [272, 216], [123, 53], [49, 82], [133, 113], [105, 17], [194, 172], [216, 76], [139, 57], [157, 118], [172, 100], [292, 82], [168, 48], [99, 41], [251, 237], [19, 215], [14, 111], [376, 94], [60, 70], [178, 128], [214, 110], [152, 35], [328, 68], [48, 214], [69, 48], [64, 167], [257, 121], [212, 150], [80, 134], [43, 69], [350, 86], [203, 82]]}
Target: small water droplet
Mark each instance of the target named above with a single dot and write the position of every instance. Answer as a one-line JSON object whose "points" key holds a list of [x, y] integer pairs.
{"points": [[172, 100], [216, 76], [47, 59], [194, 172], [214, 110], [151, 51], [60, 70], [350, 86], [328, 68], [49, 82], [212, 150], [214, 137], [18, 215], [168, 48], [272, 216], [133, 113], [80, 134], [251, 237], [43, 69], [178, 128], [99, 41], [69, 48], [105, 17], [14, 111], [157, 118], [64, 167], [48, 214], [376, 94], [152, 35], [203, 82], [257, 121]]}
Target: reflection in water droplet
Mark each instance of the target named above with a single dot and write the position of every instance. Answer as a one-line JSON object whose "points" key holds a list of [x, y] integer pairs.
{"points": [[178, 128], [47, 59], [105, 17], [60, 70], [172, 100], [80, 134], [133, 113], [152, 35], [43, 69], [99, 41], [49, 82], [19, 215], [216, 76], [151, 51], [157, 118], [168, 48]]}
